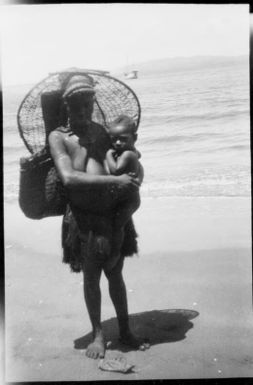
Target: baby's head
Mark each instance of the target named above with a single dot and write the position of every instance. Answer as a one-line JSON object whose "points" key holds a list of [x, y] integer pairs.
{"points": [[123, 134]]}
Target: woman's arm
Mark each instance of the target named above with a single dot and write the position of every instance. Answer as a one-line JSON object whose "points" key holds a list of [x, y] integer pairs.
{"points": [[79, 180]]}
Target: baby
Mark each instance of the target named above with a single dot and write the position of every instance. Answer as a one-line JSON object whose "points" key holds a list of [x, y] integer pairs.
{"points": [[123, 158]]}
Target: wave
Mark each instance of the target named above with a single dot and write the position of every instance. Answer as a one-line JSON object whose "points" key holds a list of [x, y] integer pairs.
{"points": [[14, 147], [10, 197], [236, 147], [214, 141], [207, 116], [154, 119], [197, 189]]}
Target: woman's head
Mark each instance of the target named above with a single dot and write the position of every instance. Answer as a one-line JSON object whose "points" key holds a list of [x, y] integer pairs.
{"points": [[79, 96]]}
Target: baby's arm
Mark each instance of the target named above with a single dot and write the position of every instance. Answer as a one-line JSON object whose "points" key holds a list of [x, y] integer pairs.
{"points": [[111, 162], [127, 163]]}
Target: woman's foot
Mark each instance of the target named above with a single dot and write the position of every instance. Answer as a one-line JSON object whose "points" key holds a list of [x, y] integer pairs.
{"points": [[136, 343], [97, 348]]}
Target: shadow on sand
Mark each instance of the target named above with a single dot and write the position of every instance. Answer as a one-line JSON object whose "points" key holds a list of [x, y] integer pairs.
{"points": [[159, 326]]}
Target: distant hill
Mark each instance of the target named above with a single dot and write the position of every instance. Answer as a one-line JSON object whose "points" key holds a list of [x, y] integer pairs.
{"points": [[184, 64]]}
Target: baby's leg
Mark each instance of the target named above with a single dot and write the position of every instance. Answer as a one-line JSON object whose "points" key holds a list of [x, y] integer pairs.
{"points": [[127, 163], [126, 209], [122, 216]]}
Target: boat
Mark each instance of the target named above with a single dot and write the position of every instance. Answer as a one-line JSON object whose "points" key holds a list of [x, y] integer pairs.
{"points": [[131, 74]]}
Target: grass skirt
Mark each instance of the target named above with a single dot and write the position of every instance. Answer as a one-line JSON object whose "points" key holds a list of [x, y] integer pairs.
{"points": [[76, 226]]}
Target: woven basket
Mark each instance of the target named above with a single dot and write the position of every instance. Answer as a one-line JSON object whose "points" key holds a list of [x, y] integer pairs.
{"points": [[41, 193], [113, 98]]}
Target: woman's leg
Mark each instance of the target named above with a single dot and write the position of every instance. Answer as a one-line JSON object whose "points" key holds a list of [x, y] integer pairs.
{"points": [[117, 290], [92, 270]]}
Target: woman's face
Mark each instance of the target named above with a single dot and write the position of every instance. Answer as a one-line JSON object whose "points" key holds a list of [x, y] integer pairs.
{"points": [[80, 109]]}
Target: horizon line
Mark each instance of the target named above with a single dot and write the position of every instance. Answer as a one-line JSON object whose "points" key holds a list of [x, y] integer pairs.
{"points": [[115, 69]]}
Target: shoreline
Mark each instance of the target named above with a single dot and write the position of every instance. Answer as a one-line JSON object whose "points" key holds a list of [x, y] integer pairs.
{"points": [[176, 215]]}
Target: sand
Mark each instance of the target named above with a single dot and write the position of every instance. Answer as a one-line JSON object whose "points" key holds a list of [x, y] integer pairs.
{"points": [[189, 291]]}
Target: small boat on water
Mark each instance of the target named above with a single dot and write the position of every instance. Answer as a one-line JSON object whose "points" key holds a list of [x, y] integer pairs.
{"points": [[131, 74]]}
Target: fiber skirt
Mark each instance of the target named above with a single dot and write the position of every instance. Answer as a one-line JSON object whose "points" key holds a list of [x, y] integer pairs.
{"points": [[77, 226]]}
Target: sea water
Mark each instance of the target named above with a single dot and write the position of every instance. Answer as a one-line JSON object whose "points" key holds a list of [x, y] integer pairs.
{"points": [[194, 134]]}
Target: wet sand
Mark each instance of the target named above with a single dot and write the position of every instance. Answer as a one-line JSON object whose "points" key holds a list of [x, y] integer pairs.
{"points": [[189, 292]]}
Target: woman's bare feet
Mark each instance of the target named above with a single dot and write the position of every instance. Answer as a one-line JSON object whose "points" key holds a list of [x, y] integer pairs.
{"points": [[97, 348], [130, 340]]}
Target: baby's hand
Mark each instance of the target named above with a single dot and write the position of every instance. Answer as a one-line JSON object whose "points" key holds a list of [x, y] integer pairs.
{"points": [[111, 151]]}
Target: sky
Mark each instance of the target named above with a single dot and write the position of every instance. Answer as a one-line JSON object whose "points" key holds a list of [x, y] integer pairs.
{"points": [[38, 39]]}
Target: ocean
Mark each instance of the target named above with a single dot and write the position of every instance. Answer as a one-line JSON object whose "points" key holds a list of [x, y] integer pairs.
{"points": [[194, 134]]}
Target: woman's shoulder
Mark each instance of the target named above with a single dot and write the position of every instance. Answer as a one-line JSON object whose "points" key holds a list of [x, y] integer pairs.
{"points": [[99, 129], [63, 137], [59, 131], [100, 134]]}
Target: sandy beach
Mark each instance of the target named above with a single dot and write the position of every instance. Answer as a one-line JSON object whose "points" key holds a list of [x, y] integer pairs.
{"points": [[189, 292]]}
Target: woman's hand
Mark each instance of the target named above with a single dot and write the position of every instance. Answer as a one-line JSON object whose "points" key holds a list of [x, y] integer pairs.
{"points": [[139, 176], [127, 182]]}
